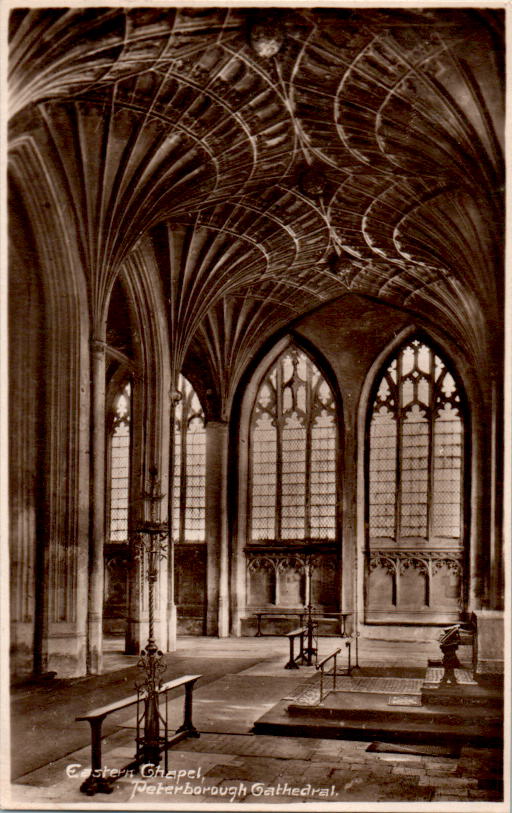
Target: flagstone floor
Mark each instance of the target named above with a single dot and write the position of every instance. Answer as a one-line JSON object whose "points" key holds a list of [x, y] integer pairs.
{"points": [[242, 678]]}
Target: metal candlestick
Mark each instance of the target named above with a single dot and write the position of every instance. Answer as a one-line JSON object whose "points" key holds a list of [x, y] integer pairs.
{"points": [[150, 540], [311, 624]]}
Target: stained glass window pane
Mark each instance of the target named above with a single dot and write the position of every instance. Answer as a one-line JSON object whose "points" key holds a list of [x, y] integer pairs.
{"points": [[383, 483], [416, 450], [293, 495], [293, 454], [189, 492], [414, 480], [195, 503], [120, 467], [264, 456], [447, 488], [323, 476]]}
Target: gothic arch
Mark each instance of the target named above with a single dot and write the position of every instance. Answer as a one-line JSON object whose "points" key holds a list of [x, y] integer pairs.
{"points": [[150, 429], [475, 409], [243, 432]]}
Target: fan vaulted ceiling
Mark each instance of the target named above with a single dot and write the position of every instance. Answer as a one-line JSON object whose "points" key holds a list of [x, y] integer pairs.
{"points": [[267, 162]]}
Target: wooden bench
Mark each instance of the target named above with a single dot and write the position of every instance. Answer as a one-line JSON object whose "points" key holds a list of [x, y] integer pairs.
{"points": [[298, 633], [280, 614], [341, 617], [96, 782], [301, 615]]}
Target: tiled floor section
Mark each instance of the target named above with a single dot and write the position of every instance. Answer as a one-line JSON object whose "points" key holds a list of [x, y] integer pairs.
{"points": [[230, 764]]}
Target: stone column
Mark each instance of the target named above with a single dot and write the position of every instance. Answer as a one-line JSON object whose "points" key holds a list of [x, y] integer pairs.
{"points": [[496, 486], [97, 527], [26, 339], [172, 616], [137, 620], [238, 559], [479, 509], [217, 569], [350, 562], [53, 526]]}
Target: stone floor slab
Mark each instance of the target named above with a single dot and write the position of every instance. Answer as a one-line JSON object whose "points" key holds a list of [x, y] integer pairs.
{"points": [[231, 757]]}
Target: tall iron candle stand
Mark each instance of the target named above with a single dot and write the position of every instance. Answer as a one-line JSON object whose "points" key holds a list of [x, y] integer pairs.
{"points": [[150, 540]]}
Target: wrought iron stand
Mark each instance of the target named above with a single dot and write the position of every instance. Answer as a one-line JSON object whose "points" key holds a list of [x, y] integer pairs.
{"points": [[311, 650], [150, 543]]}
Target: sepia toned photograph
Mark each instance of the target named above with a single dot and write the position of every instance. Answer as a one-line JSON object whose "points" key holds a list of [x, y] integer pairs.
{"points": [[257, 488]]}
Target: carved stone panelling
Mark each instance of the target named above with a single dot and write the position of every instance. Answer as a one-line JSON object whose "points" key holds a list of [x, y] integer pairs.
{"points": [[116, 586], [283, 579], [427, 584], [190, 575]]}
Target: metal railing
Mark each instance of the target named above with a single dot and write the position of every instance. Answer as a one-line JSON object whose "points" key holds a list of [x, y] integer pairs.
{"points": [[333, 656]]}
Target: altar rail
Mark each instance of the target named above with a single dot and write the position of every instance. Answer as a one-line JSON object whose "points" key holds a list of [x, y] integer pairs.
{"points": [[96, 782]]}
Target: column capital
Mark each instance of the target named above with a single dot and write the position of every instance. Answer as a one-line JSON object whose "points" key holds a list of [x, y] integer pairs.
{"points": [[98, 346], [216, 423]]}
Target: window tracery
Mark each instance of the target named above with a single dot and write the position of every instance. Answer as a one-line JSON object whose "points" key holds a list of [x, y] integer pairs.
{"points": [[416, 450], [416, 490], [293, 490]]}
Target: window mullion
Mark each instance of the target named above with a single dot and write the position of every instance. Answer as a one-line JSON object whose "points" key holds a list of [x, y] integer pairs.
{"points": [[399, 444], [183, 471], [309, 431], [431, 429], [463, 441], [279, 450], [109, 481]]}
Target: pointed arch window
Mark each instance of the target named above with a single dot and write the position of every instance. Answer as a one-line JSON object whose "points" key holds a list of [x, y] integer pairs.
{"points": [[293, 444], [416, 450], [120, 465], [189, 493], [416, 490]]}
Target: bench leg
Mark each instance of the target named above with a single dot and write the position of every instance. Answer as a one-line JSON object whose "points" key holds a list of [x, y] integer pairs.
{"points": [[301, 656], [291, 663], [187, 725], [96, 782]]}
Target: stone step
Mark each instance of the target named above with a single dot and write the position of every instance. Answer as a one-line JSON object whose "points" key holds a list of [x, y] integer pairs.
{"points": [[446, 695], [365, 706], [388, 727]]}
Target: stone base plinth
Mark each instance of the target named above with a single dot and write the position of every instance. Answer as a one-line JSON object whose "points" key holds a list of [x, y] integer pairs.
{"points": [[490, 641], [66, 655], [190, 626]]}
